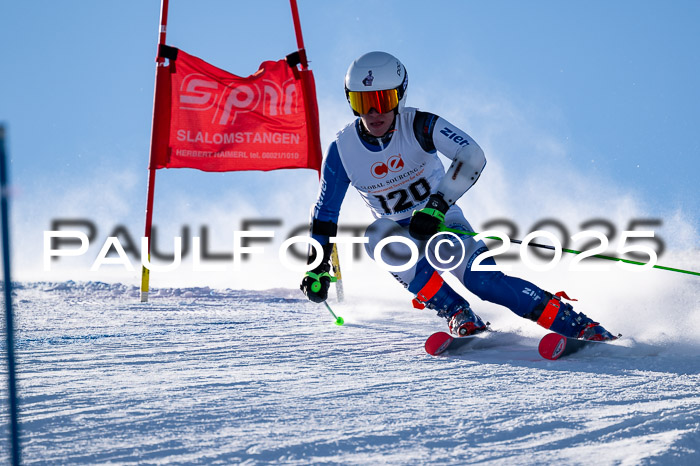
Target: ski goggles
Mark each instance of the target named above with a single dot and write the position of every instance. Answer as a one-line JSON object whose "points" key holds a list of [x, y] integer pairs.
{"points": [[382, 101]]}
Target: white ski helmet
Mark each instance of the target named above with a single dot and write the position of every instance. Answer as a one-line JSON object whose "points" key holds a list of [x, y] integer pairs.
{"points": [[376, 80]]}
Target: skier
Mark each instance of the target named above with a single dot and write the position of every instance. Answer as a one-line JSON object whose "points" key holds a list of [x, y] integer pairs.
{"points": [[389, 154]]}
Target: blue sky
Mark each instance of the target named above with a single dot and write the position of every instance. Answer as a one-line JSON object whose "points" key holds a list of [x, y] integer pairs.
{"points": [[591, 99]]}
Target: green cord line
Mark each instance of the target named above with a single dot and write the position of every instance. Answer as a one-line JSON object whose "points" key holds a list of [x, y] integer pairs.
{"points": [[570, 251]]}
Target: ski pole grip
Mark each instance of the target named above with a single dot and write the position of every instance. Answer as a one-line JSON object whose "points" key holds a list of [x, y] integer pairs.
{"points": [[433, 213], [316, 285]]}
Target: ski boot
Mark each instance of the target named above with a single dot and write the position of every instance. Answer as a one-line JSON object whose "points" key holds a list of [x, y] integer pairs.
{"points": [[560, 317], [463, 321], [437, 295]]}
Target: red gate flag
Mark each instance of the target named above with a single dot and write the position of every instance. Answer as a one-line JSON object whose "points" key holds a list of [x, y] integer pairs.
{"points": [[215, 121]]}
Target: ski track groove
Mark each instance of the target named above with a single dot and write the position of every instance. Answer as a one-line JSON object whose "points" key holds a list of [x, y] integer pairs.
{"points": [[204, 377]]}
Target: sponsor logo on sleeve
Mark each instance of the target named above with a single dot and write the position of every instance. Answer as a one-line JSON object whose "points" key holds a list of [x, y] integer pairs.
{"points": [[453, 136]]}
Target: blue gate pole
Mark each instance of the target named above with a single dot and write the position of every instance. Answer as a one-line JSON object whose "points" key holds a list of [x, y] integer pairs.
{"points": [[9, 324]]}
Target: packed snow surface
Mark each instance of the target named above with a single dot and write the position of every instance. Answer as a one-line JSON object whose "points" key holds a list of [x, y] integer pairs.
{"points": [[202, 376]]}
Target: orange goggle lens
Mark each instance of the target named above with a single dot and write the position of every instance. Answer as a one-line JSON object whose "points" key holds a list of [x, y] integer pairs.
{"points": [[382, 101]]}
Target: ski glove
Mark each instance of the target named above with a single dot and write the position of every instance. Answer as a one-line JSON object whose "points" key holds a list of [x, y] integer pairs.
{"points": [[316, 283], [427, 221]]}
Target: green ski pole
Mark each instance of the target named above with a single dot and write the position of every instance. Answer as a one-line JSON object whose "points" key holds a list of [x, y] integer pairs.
{"points": [[570, 251], [316, 287], [338, 320]]}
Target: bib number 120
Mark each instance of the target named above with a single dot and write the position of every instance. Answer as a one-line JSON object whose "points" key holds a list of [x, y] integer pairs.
{"points": [[404, 199]]}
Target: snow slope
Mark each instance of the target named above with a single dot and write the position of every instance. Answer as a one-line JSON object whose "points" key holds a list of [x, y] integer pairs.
{"points": [[223, 377]]}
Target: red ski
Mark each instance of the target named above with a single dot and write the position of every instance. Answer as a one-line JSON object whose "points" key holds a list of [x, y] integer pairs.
{"points": [[554, 346], [439, 342]]}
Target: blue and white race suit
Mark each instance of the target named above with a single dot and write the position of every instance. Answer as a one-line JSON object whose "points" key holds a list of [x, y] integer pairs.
{"points": [[395, 175]]}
